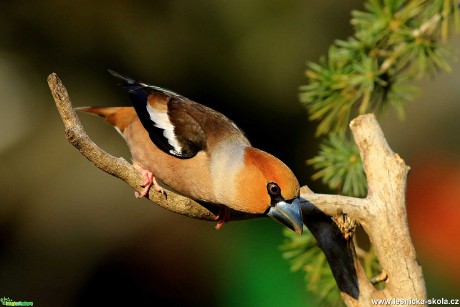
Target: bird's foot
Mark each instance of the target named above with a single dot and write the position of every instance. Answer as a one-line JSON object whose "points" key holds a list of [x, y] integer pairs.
{"points": [[222, 217], [149, 181], [157, 187], [148, 176]]}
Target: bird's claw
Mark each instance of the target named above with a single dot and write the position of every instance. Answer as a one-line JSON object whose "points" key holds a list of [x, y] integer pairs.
{"points": [[157, 187], [222, 217], [149, 181]]}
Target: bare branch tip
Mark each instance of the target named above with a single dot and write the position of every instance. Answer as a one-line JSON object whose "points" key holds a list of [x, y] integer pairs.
{"points": [[53, 79], [305, 190], [361, 118]]}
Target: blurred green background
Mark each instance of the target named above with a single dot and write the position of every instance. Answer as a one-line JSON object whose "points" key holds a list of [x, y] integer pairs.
{"points": [[71, 235]]}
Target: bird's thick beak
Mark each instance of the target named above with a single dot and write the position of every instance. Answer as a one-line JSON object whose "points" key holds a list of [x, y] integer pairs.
{"points": [[289, 214]]}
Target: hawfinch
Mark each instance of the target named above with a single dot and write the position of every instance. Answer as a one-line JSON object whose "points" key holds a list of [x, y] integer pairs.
{"points": [[195, 151]]}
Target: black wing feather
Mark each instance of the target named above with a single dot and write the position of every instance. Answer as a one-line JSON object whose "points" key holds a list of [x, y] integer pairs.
{"points": [[187, 131]]}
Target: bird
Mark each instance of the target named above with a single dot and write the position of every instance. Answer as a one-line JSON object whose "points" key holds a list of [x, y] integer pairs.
{"points": [[195, 151]]}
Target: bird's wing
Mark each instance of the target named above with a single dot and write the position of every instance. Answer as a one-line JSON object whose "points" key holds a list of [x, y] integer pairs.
{"points": [[169, 118]]}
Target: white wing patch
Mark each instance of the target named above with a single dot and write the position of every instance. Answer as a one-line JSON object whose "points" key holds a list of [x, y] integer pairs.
{"points": [[161, 120]]}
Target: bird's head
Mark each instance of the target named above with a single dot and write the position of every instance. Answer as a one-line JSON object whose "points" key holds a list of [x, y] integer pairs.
{"points": [[268, 186]]}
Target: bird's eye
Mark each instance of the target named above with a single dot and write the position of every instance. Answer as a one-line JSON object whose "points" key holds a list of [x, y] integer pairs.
{"points": [[273, 189]]}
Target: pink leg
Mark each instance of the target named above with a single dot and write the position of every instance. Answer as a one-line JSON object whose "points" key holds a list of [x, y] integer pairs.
{"points": [[149, 181], [222, 217], [157, 187]]}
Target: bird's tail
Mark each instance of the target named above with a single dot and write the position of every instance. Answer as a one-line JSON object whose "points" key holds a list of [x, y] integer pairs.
{"points": [[119, 117], [100, 111]]}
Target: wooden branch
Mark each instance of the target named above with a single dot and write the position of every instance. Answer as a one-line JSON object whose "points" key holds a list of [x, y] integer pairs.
{"points": [[337, 204], [383, 216], [386, 222], [382, 213]]}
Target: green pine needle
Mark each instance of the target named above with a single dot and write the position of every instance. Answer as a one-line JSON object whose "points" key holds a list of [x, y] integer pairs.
{"points": [[339, 165], [394, 40]]}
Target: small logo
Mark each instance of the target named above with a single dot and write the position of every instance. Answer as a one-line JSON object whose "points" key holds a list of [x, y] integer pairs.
{"points": [[6, 301]]}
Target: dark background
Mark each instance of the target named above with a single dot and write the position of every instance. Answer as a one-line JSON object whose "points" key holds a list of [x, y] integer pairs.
{"points": [[70, 235]]}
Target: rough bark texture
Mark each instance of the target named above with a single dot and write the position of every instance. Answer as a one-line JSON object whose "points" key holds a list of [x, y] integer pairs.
{"points": [[386, 219], [382, 213]]}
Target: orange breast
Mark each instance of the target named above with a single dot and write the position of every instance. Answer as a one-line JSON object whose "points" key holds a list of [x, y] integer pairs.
{"points": [[189, 177]]}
